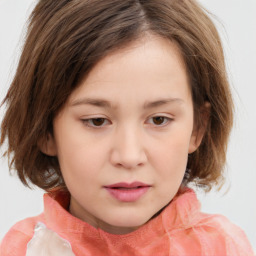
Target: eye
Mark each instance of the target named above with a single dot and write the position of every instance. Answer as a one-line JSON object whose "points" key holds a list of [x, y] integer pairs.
{"points": [[96, 122], [159, 120]]}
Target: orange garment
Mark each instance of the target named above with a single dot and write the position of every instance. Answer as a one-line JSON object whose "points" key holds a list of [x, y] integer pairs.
{"points": [[180, 229]]}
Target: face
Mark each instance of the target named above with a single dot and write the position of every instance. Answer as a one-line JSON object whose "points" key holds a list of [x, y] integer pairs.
{"points": [[124, 135]]}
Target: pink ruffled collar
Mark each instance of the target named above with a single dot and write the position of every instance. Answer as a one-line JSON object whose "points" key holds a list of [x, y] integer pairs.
{"points": [[181, 213]]}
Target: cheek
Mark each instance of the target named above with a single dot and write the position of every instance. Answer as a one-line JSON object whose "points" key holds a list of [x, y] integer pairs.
{"points": [[76, 154], [172, 153], [81, 160], [170, 164], [74, 145], [80, 171]]}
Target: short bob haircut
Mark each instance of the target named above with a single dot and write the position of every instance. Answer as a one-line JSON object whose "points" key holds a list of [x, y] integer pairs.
{"points": [[67, 38]]}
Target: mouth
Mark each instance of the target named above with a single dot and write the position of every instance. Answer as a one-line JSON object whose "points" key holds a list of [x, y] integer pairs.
{"points": [[127, 192]]}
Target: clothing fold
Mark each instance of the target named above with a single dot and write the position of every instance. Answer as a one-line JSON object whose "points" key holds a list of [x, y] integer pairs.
{"points": [[179, 229]]}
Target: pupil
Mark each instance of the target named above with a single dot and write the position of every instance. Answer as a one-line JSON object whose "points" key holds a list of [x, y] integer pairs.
{"points": [[98, 121], [158, 120]]}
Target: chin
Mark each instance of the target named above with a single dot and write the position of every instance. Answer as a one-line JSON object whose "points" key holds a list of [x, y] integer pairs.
{"points": [[130, 221]]}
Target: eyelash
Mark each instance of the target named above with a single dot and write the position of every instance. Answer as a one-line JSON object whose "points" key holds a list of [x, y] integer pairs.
{"points": [[89, 122], [167, 120]]}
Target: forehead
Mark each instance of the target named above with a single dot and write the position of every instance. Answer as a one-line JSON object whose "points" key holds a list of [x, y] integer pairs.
{"points": [[150, 67]]}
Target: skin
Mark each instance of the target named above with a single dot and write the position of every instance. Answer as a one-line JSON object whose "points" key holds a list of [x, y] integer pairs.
{"points": [[131, 119]]}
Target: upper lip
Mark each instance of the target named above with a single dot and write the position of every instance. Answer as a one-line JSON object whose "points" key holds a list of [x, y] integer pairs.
{"points": [[128, 185]]}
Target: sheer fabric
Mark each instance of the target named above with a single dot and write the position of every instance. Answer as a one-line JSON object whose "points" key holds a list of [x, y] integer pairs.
{"points": [[180, 229]]}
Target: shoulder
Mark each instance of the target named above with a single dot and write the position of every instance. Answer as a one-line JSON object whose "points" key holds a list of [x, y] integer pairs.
{"points": [[15, 241], [206, 234], [197, 233], [216, 232]]}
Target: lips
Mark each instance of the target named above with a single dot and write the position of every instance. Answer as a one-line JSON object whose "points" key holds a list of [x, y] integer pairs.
{"points": [[128, 185], [127, 192]]}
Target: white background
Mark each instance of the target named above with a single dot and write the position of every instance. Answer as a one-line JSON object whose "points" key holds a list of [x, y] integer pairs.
{"points": [[237, 200]]}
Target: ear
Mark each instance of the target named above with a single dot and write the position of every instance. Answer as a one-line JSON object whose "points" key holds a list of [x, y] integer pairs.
{"points": [[199, 129], [47, 145]]}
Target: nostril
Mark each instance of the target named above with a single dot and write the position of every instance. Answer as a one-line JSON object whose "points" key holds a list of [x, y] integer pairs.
{"points": [[128, 155]]}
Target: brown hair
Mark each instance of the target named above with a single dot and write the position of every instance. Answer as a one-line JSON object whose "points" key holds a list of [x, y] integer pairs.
{"points": [[66, 38]]}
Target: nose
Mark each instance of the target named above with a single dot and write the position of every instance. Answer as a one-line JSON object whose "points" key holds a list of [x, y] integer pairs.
{"points": [[128, 151]]}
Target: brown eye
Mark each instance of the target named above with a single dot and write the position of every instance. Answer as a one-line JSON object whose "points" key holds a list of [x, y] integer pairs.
{"points": [[158, 120], [95, 122], [98, 121]]}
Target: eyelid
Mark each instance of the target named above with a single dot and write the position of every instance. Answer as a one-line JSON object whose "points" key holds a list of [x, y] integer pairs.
{"points": [[168, 119], [86, 122]]}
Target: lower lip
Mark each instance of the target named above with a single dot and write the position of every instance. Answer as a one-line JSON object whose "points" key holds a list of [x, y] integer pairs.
{"points": [[127, 195]]}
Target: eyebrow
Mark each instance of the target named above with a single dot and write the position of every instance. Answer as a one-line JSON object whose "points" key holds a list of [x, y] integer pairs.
{"points": [[107, 104], [162, 102], [94, 102]]}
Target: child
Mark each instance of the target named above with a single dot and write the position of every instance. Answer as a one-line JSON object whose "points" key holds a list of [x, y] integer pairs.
{"points": [[115, 108]]}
